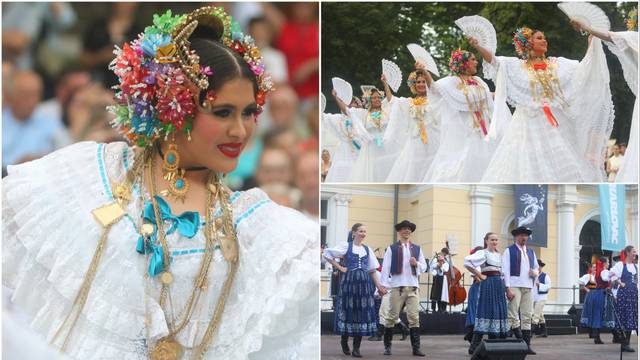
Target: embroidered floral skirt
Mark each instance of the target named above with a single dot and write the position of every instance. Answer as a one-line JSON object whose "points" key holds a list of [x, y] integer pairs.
{"points": [[472, 302], [355, 312], [627, 307], [491, 308]]}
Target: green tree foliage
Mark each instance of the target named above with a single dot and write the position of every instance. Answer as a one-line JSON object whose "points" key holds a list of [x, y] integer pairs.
{"points": [[356, 36]]}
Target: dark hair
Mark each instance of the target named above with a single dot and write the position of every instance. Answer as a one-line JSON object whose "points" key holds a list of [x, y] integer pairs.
{"points": [[604, 259], [627, 249], [486, 237], [227, 64], [356, 226], [445, 251]]}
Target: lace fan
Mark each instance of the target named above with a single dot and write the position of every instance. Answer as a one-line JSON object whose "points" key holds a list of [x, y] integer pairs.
{"points": [[392, 73], [587, 13], [323, 103], [343, 89], [422, 56], [481, 29]]}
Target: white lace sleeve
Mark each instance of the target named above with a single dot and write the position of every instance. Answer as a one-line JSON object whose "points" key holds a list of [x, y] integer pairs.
{"points": [[330, 121], [358, 117], [625, 47], [397, 130]]}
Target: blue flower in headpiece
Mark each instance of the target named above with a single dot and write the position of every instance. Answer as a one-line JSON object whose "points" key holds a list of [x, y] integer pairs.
{"points": [[144, 125], [236, 31], [151, 42]]}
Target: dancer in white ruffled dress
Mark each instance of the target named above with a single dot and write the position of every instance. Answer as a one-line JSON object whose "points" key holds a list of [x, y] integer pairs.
{"points": [[563, 117], [108, 265], [465, 105], [624, 45], [415, 128]]}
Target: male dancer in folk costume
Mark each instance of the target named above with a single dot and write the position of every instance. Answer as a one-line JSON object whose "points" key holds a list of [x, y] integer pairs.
{"points": [[540, 292], [383, 306], [520, 269], [403, 263], [440, 290]]}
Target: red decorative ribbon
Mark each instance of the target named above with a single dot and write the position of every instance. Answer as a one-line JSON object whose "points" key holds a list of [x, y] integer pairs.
{"points": [[481, 121], [550, 117], [472, 82], [541, 66]]}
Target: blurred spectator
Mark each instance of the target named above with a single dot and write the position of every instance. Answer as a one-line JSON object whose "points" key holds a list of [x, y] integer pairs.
{"points": [[623, 148], [283, 138], [613, 163], [274, 60], [307, 180], [22, 24], [26, 135], [298, 38], [283, 194], [7, 71], [100, 38], [242, 176], [283, 107], [275, 167], [313, 124], [326, 164], [88, 116]]}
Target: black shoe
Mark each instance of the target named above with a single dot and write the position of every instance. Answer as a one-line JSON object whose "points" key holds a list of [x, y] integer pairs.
{"points": [[356, 346], [475, 342], [617, 337], [344, 342], [543, 330], [626, 340], [469, 335], [404, 329], [388, 337], [596, 337], [526, 336], [378, 335], [535, 329], [517, 333], [414, 334]]}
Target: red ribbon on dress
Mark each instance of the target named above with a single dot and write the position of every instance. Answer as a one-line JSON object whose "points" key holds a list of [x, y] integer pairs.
{"points": [[550, 117], [481, 121], [472, 82], [541, 66]]}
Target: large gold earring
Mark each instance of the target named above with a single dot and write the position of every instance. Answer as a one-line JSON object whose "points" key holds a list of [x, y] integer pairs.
{"points": [[178, 184]]}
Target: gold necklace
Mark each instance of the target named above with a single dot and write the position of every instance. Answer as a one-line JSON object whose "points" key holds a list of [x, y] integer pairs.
{"points": [[417, 110], [476, 105]]}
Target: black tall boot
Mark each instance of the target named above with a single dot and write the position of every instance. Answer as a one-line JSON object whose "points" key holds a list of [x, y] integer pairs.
{"points": [[388, 336], [517, 333], [356, 346], [378, 335], [526, 336], [617, 336], [475, 342], [469, 335], [543, 330], [344, 342], [404, 329], [596, 337], [414, 334], [535, 329], [626, 340]]}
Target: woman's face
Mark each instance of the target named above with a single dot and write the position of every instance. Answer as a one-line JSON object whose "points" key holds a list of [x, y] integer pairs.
{"points": [[471, 66], [361, 233], [421, 85], [539, 43], [492, 242], [376, 100], [632, 255], [220, 133]]}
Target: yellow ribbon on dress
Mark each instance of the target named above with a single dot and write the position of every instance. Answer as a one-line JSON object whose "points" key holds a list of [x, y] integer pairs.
{"points": [[423, 132]]}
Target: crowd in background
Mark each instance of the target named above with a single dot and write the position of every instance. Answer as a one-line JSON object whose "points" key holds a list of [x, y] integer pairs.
{"points": [[56, 85], [615, 154]]}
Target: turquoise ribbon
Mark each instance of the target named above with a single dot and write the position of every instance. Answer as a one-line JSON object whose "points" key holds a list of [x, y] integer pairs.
{"points": [[186, 224], [378, 141]]}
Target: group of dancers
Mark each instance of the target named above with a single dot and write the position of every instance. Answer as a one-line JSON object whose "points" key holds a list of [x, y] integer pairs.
{"points": [[506, 299], [455, 130]]}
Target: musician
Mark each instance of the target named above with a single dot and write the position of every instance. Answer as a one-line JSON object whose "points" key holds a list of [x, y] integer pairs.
{"points": [[520, 269], [540, 291], [402, 265], [440, 289]]}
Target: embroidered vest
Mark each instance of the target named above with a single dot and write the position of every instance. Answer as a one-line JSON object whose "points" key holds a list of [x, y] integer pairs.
{"points": [[354, 261], [515, 259], [397, 260], [541, 278]]}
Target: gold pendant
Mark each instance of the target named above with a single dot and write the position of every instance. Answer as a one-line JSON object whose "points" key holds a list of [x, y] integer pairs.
{"points": [[166, 278], [108, 214], [166, 349], [122, 192]]}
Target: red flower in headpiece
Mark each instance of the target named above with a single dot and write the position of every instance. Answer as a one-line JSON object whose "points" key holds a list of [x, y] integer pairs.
{"points": [[261, 98], [237, 46], [175, 104]]}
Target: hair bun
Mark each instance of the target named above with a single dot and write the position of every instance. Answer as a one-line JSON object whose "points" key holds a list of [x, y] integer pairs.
{"points": [[209, 27]]}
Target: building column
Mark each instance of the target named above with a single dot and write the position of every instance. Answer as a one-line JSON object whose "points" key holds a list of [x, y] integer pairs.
{"points": [[338, 214], [481, 196], [567, 263], [633, 190]]}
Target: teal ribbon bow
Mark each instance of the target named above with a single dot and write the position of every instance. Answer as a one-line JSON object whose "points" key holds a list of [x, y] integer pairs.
{"points": [[186, 223]]}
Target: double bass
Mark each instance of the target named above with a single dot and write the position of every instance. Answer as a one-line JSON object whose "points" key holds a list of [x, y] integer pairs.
{"points": [[457, 293]]}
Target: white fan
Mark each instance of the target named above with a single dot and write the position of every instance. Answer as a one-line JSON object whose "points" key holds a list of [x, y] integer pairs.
{"points": [[392, 74], [422, 56], [343, 89], [323, 103], [481, 29], [588, 14]]}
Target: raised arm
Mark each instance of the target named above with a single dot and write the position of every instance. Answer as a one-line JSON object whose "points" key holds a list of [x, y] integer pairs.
{"points": [[486, 54], [342, 106], [387, 90]]}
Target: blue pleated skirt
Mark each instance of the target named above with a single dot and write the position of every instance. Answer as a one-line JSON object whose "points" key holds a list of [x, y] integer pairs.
{"points": [[355, 312], [597, 311], [491, 308], [472, 301], [627, 307]]}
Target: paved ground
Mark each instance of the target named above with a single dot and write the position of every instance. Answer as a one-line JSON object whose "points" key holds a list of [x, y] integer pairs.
{"points": [[453, 347]]}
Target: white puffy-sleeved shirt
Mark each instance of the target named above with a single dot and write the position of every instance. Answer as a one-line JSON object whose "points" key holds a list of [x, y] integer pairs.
{"points": [[435, 271], [544, 287], [616, 270], [406, 278], [585, 279], [50, 236], [485, 260], [341, 250], [523, 279]]}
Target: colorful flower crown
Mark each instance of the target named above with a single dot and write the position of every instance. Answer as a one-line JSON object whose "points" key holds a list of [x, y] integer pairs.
{"points": [[522, 41], [632, 20], [158, 70], [458, 61]]}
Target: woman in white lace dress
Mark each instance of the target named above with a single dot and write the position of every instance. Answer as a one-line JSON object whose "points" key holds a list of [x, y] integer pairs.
{"points": [[414, 127], [563, 112], [465, 105], [624, 45], [119, 252]]}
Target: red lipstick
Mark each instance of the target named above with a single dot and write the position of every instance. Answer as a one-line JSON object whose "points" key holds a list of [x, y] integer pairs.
{"points": [[231, 150]]}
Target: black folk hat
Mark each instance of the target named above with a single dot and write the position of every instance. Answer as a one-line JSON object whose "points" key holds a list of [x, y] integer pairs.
{"points": [[521, 230], [407, 224], [540, 263]]}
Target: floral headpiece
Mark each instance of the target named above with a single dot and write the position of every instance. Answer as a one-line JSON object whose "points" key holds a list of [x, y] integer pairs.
{"points": [[158, 70], [413, 77], [632, 20], [458, 61], [522, 41]]}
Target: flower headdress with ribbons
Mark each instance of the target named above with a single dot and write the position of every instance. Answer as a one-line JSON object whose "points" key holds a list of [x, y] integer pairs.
{"points": [[458, 61], [522, 41], [158, 73]]}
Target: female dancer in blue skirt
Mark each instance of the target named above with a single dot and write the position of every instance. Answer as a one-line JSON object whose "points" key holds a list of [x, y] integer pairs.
{"points": [[626, 274], [598, 310], [355, 314], [491, 307], [472, 298]]}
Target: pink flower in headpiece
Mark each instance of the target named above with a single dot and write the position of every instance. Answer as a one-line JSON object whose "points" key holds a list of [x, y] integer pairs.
{"points": [[257, 69], [206, 71]]}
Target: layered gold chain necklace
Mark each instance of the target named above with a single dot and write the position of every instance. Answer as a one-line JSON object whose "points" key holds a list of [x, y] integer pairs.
{"points": [[417, 110], [477, 102], [545, 86], [219, 231]]}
